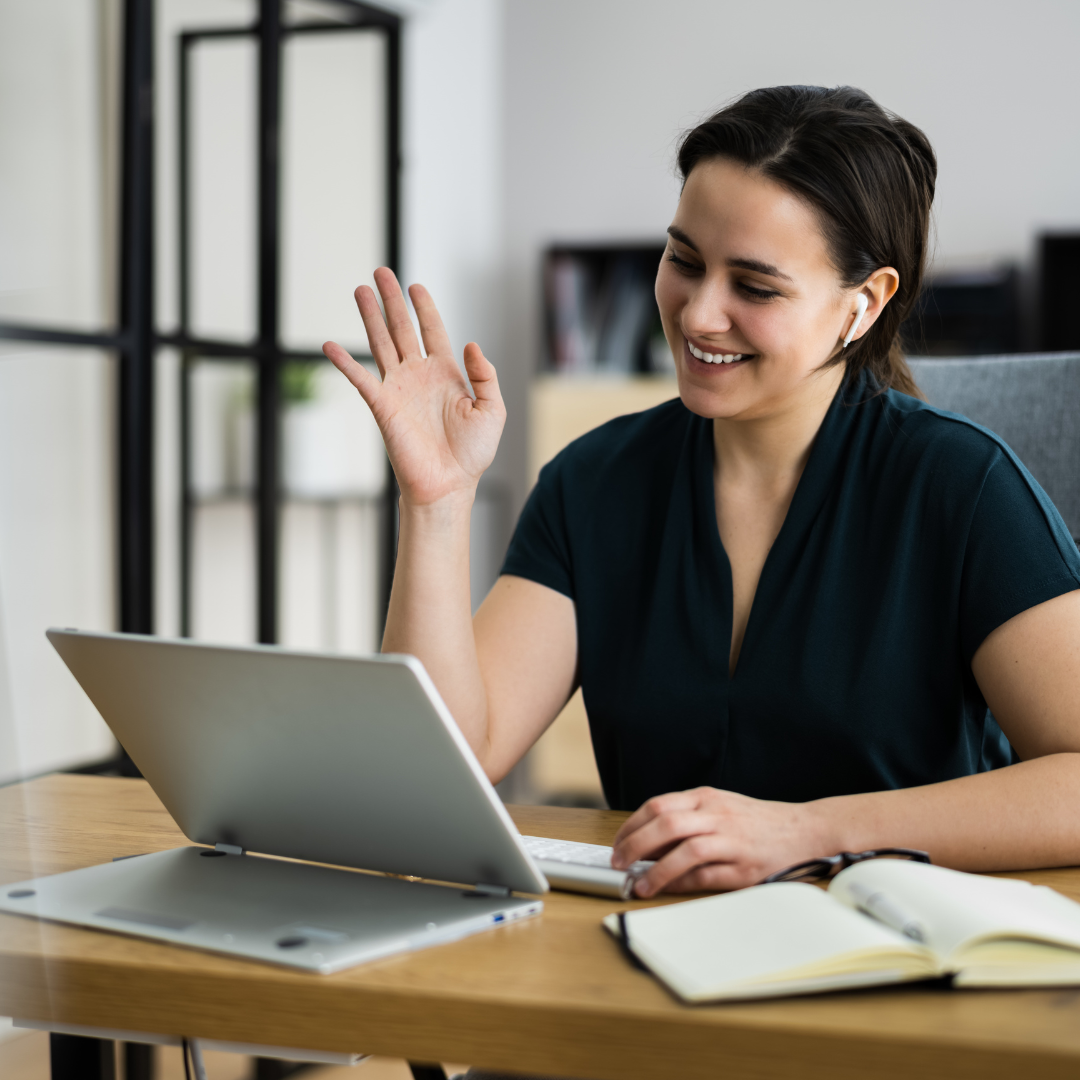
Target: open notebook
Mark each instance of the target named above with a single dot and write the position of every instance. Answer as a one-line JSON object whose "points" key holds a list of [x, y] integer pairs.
{"points": [[789, 938]]}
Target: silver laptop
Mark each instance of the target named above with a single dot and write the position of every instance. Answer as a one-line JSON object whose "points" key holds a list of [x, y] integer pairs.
{"points": [[352, 762]]}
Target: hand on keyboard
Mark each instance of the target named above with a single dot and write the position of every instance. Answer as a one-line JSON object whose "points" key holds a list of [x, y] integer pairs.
{"points": [[568, 851]]}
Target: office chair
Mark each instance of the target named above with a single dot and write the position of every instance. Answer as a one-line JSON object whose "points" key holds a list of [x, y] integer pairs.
{"points": [[1032, 401]]}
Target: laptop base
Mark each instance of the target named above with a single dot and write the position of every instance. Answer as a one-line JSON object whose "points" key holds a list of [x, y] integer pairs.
{"points": [[301, 915]]}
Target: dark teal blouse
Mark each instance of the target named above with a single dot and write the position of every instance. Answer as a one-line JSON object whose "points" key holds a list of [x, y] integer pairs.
{"points": [[913, 533]]}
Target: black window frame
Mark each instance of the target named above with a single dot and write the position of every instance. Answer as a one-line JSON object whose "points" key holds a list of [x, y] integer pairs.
{"points": [[135, 339]]}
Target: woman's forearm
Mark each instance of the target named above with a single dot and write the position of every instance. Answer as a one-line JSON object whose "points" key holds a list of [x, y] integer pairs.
{"points": [[441, 429], [1019, 817], [430, 613]]}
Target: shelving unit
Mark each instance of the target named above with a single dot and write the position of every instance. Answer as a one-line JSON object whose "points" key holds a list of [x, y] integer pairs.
{"points": [[600, 316]]}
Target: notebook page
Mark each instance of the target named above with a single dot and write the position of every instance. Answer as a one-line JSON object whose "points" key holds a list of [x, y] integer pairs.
{"points": [[704, 948], [1015, 962], [957, 908]]}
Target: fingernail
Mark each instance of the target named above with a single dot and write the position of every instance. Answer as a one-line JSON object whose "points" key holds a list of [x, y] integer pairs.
{"points": [[642, 889]]}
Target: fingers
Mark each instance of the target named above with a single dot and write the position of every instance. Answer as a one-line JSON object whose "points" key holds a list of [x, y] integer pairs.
{"points": [[659, 835], [697, 859], [356, 373], [432, 331], [712, 839], [676, 800], [397, 314], [484, 378], [393, 339], [382, 345], [713, 877]]}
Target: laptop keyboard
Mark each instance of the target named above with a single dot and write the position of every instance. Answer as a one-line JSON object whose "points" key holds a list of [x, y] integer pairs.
{"points": [[569, 851]]}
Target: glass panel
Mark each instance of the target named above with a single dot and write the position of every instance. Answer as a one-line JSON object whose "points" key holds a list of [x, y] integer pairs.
{"points": [[172, 18], [333, 182], [334, 474], [306, 12], [223, 186], [223, 571], [221, 464], [57, 561], [330, 575], [332, 445], [54, 208], [167, 494]]}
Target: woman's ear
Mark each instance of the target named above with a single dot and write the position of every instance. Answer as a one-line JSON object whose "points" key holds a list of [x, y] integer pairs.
{"points": [[878, 289]]}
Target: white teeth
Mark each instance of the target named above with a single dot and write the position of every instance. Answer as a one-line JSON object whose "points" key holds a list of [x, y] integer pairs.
{"points": [[713, 358]]}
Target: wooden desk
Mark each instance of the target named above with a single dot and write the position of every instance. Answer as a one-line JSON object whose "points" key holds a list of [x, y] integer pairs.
{"points": [[551, 995]]}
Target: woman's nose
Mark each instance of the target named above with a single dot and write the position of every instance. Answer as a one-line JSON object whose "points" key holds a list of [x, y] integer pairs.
{"points": [[706, 311]]}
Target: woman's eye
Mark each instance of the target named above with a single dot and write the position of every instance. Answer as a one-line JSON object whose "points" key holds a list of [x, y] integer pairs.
{"points": [[683, 265], [758, 294]]}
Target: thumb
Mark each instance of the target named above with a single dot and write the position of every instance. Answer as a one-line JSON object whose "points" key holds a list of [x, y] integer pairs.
{"points": [[482, 376]]}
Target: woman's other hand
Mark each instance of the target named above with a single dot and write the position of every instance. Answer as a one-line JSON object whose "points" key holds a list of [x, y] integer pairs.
{"points": [[439, 438], [710, 840]]}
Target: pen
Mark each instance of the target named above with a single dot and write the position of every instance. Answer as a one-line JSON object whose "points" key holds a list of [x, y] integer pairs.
{"points": [[878, 906]]}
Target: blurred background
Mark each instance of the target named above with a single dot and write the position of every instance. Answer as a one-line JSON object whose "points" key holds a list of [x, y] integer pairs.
{"points": [[190, 190]]}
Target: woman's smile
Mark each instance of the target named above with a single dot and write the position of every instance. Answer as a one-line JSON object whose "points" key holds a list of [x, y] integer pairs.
{"points": [[717, 355], [712, 364]]}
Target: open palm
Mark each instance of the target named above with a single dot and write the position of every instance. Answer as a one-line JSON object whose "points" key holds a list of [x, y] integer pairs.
{"points": [[439, 438]]}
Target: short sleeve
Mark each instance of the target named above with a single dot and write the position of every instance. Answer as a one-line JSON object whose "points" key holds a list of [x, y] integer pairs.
{"points": [[1019, 553], [540, 547]]}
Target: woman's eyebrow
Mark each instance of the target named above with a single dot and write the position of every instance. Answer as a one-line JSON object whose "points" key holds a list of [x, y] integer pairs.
{"points": [[754, 265], [677, 234], [759, 268]]}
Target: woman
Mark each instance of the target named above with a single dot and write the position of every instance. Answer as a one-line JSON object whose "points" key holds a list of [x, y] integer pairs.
{"points": [[790, 595]]}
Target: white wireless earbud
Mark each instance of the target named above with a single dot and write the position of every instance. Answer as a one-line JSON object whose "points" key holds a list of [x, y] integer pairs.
{"points": [[860, 311]]}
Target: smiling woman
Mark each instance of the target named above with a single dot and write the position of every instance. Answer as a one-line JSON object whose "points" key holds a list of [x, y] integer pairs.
{"points": [[792, 596]]}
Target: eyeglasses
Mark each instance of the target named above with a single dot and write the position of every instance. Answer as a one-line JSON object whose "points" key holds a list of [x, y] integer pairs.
{"points": [[830, 865]]}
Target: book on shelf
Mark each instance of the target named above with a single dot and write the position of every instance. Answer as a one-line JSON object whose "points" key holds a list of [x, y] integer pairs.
{"points": [[600, 311], [791, 938]]}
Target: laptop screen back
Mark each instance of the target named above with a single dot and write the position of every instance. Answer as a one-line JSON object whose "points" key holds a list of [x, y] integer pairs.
{"points": [[349, 761]]}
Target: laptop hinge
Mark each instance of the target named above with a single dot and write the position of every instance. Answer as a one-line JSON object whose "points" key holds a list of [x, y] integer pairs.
{"points": [[229, 849], [493, 890]]}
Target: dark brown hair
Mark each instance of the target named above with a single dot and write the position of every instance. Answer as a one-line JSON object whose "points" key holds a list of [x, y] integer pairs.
{"points": [[868, 173]]}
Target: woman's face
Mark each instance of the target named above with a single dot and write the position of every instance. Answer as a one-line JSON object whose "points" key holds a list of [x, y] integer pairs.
{"points": [[747, 273]]}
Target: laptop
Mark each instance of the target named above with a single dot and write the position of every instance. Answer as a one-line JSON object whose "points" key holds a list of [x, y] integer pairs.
{"points": [[263, 755]]}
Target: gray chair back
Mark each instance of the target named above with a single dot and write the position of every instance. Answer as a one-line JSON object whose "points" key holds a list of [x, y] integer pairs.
{"points": [[1032, 401]]}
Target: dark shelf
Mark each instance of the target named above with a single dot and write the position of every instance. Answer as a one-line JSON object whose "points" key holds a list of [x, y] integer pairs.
{"points": [[600, 315]]}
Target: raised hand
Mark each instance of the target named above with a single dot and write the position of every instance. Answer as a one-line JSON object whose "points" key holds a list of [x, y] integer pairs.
{"points": [[439, 438]]}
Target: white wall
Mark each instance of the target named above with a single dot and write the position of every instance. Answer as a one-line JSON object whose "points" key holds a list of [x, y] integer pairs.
{"points": [[452, 209], [452, 165], [597, 92]]}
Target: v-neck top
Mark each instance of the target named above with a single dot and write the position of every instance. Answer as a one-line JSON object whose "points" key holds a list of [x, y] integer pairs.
{"points": [[913, 533]]}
